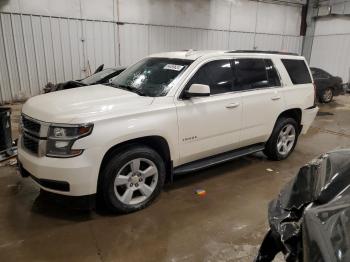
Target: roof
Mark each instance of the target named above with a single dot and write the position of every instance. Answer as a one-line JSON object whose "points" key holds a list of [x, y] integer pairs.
{"points": [[195, 54]]}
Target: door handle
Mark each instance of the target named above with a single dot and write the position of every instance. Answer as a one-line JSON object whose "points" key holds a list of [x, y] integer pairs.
{"points": [[276, 98], [232, 105]]}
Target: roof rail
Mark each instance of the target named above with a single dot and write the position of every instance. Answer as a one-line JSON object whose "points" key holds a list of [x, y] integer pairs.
{"points": [[261, 52]]}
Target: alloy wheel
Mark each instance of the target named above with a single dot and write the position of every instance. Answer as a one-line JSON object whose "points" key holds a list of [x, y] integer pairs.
{"points": [[136, 181], [286, 139], [327, 95]]}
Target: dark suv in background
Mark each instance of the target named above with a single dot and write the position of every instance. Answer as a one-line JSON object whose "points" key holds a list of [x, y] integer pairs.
{"points": [[327, 86]]}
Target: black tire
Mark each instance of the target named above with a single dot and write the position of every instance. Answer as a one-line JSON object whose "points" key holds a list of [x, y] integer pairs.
{"points": [[327, 95], [118, 161], [271, 150]]}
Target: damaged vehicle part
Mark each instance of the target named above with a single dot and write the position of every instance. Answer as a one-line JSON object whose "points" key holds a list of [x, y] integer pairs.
{"points": [[100, 76], [310, 219]]}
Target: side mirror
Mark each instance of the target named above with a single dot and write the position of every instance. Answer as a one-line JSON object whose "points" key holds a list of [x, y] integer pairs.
{"points": [[197, 90]]}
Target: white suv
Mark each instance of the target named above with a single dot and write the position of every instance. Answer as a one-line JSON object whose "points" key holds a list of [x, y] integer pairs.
{"points": [[167, 114]]}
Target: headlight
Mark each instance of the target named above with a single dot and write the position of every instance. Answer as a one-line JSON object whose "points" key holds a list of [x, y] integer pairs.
{"points": [[61, 139]]}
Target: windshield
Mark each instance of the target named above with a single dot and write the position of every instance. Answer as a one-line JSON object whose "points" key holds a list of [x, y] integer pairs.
{"points": [[151, 76], [97, 77]]}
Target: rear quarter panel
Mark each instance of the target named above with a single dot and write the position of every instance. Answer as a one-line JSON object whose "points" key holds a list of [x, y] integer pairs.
{"points": [[295, 96]]}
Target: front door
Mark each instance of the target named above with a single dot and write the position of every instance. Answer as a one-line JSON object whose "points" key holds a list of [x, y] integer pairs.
{"points": [[210, 125]]}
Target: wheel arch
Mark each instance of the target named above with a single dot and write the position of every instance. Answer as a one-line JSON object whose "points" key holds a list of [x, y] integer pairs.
{"points": [[157, 143], [295, 113]]}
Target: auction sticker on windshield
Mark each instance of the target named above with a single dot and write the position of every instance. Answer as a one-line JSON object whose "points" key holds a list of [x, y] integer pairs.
{"points": [[173, 67]]}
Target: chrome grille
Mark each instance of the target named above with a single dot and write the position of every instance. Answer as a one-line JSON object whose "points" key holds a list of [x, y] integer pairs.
{"points": [[30, 125], [34, 135], [31, 143]]}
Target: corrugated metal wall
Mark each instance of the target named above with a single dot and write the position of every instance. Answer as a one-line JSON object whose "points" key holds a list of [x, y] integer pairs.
{"points": [[36, 49], [330, 49], [136, 41]]}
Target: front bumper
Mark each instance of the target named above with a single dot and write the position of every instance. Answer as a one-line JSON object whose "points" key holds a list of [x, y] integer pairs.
{"points": [[308, 116], [75, 176], [45, 183]]}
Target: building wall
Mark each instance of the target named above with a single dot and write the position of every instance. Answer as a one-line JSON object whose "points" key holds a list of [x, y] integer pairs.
{"points": [[53, 41], [330, 49]]}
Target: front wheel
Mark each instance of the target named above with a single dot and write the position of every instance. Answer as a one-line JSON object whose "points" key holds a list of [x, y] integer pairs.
{"points": [[283, 139], [132, 179]]}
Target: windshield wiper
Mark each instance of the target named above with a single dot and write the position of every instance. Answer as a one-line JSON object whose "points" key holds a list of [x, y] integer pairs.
{"points": [[131, 89], [127, 88], [109, 84]]}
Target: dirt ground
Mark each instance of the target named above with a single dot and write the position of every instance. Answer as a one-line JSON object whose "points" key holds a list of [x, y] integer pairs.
{"points": [[228, 224]]}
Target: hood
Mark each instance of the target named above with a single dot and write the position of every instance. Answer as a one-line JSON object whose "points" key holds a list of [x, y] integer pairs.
{"points": [[83, 104]]}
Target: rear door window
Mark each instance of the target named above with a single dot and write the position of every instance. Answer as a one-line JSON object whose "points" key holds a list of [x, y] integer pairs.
{"points": [[297, 70], [250, 74], [272, 75]]}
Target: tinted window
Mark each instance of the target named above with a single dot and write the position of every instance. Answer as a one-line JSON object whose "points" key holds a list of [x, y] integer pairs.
{"points": [[319, 73], [250, 74], [315, 70], [297, 70], [272, 75], [217, 75]]}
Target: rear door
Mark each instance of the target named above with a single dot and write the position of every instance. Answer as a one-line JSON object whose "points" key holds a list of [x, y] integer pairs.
{"points": [[262, 101]]}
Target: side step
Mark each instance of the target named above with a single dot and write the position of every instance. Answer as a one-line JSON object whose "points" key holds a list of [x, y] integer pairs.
{"points": [[217, 159]]}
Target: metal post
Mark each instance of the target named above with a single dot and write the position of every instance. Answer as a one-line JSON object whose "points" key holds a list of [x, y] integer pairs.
{"points": [[310, 30]]}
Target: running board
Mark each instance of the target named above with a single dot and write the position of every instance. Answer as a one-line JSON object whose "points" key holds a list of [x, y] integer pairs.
{"points": [[217, 159]]}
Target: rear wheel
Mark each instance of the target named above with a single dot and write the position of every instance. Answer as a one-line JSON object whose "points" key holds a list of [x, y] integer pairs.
{"points": [[283, 139], [132, 179], [327, 95]]}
